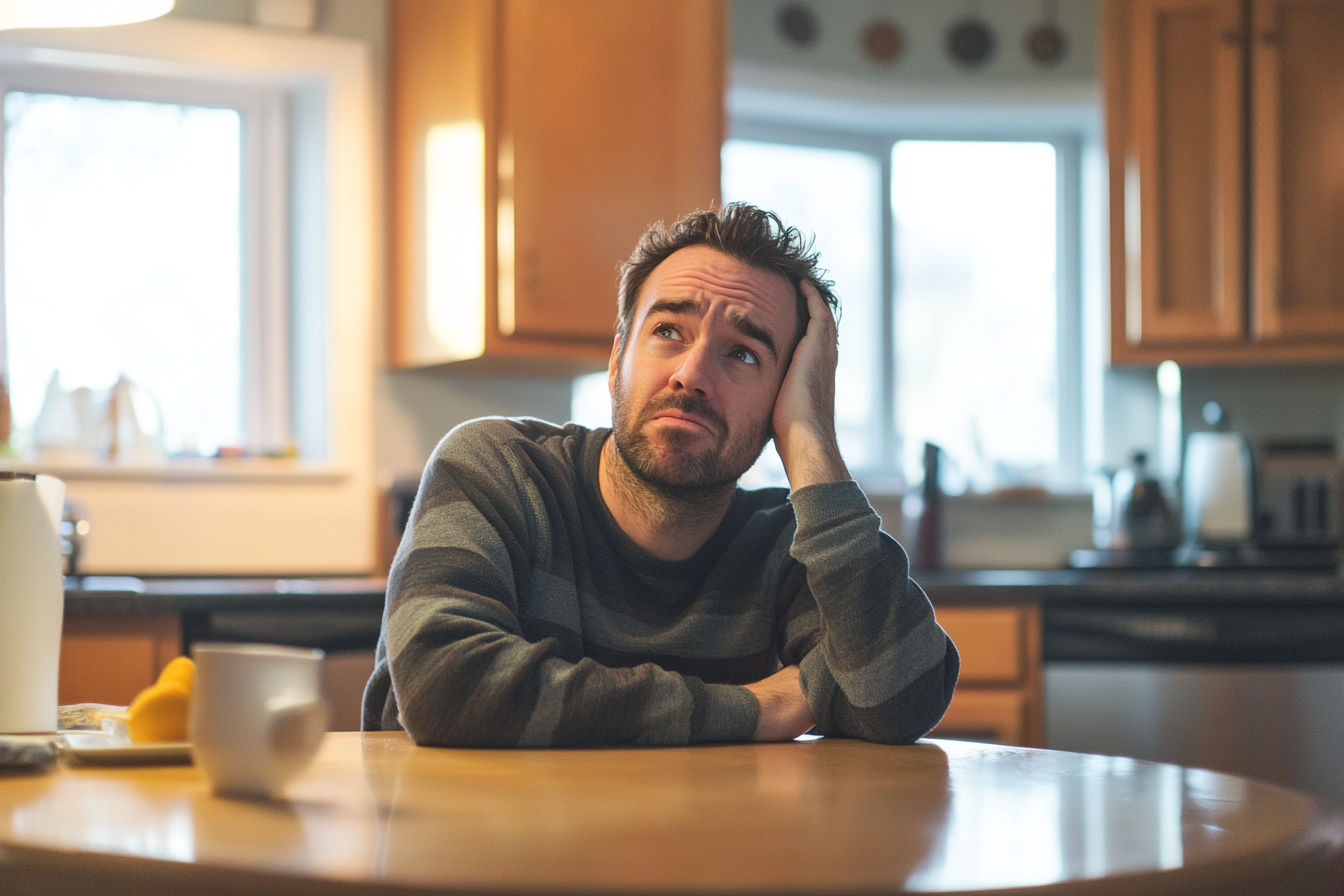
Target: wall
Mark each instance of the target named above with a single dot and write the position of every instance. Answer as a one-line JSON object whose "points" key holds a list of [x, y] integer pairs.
{"points": [[924, 62]]}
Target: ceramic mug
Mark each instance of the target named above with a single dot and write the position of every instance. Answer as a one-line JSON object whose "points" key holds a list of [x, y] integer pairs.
{"points": [[257, 715]]}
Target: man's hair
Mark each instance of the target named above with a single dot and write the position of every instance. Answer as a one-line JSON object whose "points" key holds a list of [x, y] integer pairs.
{"points": [[739, 230]]}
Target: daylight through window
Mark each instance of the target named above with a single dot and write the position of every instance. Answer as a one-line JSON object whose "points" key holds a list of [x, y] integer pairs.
{"points": [[124, 256]]}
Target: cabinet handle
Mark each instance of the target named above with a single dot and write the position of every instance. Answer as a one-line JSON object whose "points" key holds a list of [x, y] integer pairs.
{"points": [[1269, 37]]}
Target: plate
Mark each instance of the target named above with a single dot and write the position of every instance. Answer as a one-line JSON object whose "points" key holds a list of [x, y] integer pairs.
{"points": [[99, 749], [27, 750]]}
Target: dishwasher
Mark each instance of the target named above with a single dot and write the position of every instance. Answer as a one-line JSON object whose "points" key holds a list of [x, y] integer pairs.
{"points": [[1251, 690]]}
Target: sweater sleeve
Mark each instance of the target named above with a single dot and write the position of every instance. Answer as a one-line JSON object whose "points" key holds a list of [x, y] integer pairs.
{"points": [[874, 662], [459, 665]]}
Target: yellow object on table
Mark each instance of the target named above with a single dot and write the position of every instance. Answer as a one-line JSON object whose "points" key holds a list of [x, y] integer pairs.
{"points": [[159, 712]]}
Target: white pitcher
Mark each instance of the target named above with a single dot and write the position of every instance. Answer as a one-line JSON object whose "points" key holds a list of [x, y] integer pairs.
{"points": [[32, 600]]}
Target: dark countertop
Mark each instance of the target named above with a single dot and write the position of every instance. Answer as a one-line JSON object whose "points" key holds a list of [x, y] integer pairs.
{"points": [[130, 596], [1200, 615], [94, 595], [1146, 587]]}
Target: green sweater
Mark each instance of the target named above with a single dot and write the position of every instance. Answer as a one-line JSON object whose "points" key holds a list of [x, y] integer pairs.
{"points": [[519, 614]]}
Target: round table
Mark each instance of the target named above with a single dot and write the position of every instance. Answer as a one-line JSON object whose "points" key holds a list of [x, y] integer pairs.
{"points": [[375, 814]]}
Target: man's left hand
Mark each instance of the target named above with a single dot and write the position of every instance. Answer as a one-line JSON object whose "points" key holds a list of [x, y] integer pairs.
{"points": [[804, 417]]}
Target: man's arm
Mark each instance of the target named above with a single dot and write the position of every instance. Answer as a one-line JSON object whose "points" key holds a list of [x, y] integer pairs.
{"points": [[873, 662]]}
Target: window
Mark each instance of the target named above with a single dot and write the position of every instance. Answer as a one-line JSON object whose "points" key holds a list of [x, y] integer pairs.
{"points": [[144, 237], [954, 257], [124, 256], [303, 281]]}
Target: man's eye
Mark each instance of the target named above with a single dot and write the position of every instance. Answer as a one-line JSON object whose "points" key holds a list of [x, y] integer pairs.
{"points": [[746, 356], [666, 331]]}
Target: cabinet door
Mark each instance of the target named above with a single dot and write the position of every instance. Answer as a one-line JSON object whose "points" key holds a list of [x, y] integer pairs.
{"points": [[998, 696], [1000, 717], [533, 142], [1177, 171], [1298, 169], [111, 659], [611, 118]]}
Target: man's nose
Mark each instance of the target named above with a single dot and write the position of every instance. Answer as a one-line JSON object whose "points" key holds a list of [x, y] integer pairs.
{"points": [[695, 373]]}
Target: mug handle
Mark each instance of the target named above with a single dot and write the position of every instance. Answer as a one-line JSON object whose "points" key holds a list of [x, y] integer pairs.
{"points": [[295, 726]]}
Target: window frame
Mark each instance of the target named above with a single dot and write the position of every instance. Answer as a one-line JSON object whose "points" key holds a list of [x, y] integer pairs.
{"points": [[265, 392], [1070, 133]]}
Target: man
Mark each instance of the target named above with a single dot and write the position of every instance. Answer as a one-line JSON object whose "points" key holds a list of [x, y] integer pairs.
{"points": [[559, 586]]}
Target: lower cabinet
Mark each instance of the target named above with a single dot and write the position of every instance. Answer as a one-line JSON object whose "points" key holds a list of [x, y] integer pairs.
{"points": [[110, 659], [998, 696]]}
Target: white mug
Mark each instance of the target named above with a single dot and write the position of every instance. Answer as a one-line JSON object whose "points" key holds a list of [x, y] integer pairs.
{"points": [[257, 715]]}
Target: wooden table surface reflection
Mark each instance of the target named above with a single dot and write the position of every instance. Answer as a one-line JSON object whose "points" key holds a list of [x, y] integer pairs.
{"points": [[375, 814]]}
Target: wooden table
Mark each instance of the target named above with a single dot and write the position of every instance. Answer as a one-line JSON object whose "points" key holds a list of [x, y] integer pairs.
{"points": [[374, 814]]}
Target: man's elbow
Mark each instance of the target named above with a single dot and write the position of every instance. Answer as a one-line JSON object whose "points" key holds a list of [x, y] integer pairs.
{"points": [[910, 714]]}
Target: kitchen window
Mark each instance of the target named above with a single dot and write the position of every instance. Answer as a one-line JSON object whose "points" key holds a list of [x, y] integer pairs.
{"points": [[955, 258], [134, 227]]}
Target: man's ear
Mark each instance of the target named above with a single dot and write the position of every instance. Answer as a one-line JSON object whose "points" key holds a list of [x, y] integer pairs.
{"points": [[612, 362]]}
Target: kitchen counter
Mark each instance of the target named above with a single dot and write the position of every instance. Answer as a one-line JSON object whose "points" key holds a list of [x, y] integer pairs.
{"points": [[130, 596], [1199, 615], [1068, 587], [117, 595]]}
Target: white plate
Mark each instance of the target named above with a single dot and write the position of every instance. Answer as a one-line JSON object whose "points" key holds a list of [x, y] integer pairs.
{"points": [[99, 749]]}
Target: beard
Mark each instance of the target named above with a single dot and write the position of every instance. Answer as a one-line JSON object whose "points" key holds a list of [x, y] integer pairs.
{"points": [[674, 468]]}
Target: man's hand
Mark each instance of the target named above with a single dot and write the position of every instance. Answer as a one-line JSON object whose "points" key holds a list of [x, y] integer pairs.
{"points": [[784, 711], [804, 418]]}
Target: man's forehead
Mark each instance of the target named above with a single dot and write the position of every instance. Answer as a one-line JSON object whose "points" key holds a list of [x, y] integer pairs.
{"points": [[702, 274]]}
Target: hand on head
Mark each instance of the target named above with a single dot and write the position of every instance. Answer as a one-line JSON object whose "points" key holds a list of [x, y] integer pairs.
{"points": [[804, 415]]}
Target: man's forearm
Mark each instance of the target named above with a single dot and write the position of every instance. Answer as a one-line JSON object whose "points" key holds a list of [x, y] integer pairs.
{"points": [[876, 663], [462, 681]]}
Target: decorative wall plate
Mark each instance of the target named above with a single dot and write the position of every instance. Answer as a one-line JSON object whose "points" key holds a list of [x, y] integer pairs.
{"points": [[1045, 44], [799, 24], [970, 42], [882, 41]]}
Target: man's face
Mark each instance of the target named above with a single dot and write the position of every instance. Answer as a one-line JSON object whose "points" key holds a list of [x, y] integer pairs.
{"points": [[694, 390]]}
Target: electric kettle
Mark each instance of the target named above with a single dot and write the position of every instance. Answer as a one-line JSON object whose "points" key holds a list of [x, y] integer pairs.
{"points": [[32, 600], [1216, 497]]}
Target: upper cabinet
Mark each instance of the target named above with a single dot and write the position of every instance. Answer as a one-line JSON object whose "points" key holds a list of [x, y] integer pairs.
{"points": [[533, 142], [1225, 133]]}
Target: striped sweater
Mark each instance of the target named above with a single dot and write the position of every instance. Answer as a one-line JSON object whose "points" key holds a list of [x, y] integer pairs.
{"points": [[519, 614]]}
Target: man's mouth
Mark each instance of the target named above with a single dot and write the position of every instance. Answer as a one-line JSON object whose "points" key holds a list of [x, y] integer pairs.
{"points": [[676, 418], [687, 419]]}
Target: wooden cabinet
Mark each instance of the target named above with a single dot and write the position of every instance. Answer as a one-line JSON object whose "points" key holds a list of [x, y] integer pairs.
{"points": [[533, 142], [110, 659], [998, 696], [1225, 132]]}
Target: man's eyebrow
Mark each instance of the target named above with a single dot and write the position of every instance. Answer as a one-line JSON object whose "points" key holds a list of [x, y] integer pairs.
{"points": [[744, 325], [676, 306]]}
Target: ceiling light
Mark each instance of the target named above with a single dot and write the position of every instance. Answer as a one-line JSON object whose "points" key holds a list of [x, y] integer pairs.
{"points": [[78, 13]]}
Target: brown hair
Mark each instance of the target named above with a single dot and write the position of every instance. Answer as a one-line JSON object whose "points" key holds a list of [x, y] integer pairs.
{"points": [[749, 234]]}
